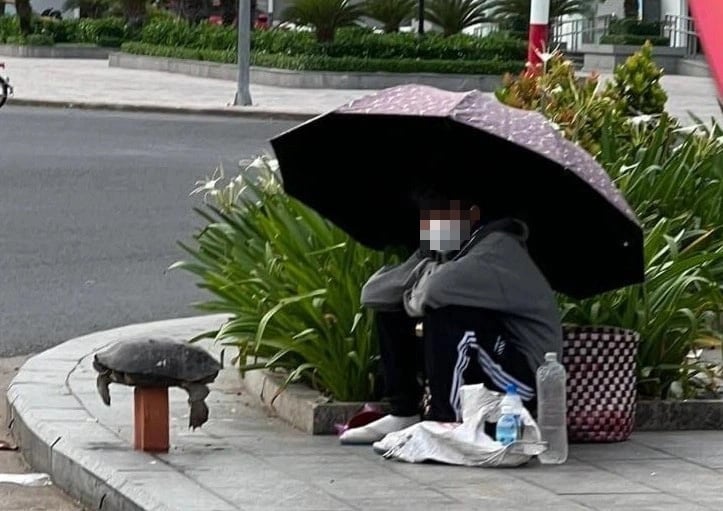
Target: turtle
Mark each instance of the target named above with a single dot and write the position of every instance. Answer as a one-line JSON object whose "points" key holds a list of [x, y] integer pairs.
{"points": [[159, 362]]}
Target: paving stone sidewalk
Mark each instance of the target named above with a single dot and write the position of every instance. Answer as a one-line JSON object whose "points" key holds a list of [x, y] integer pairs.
{"points": [[243, 459], [92, 81]]}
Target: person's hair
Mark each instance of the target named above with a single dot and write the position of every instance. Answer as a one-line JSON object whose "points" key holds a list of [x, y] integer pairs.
{"points": [[430, 199]]}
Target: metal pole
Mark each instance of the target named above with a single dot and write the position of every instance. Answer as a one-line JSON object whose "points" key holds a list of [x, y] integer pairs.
{"points": [[539, 30], [420, 29], [243, 95]]}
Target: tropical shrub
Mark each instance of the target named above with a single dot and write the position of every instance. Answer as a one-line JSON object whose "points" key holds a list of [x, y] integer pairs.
{"points": [[673, 179], [453, 16], [515, 14], [326, 16], [292, 282], [390, 13]]}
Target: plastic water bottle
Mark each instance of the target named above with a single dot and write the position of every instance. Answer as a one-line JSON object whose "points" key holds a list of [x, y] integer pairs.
{"points": [[552, 409], [513, 400], [507, 426]]}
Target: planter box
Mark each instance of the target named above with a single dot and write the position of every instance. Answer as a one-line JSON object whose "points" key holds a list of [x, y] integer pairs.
{"points": [[310, 412], [59, 51], [700, 414], [604, 57], [306, 79], [300, 406]]}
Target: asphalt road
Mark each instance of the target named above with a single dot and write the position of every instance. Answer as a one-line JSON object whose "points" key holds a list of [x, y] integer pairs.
{"points": [[91, 207]]}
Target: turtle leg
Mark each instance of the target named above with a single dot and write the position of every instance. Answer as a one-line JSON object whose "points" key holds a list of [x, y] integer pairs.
{"points": [[197, 393], [102, 383]]}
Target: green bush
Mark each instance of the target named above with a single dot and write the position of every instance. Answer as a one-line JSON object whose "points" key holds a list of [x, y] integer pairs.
{"points": [[325, 63], [176, 32], [350, 64], [9, 27], [61, 31], [637, 84], [275, 265], [673, 180], [635, 27], [224, 57], [103, 31], [357, 43], [39, 40], [634, 40], [93, 30]]}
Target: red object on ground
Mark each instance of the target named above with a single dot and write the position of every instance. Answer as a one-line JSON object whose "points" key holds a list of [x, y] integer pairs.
{"points": [[366, 414], [215, 20], [262, 22], [150, 424], [539, 31], [708, 17]]}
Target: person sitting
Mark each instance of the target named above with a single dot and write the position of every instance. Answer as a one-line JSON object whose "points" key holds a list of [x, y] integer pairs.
{"points": [[488, 316]]}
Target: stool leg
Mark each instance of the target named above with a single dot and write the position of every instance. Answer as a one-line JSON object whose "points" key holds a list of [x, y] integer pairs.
{"points": [[150, 426]]}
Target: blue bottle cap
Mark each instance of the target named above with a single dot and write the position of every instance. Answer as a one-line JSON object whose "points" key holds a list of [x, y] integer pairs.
{"points": [[511, 388]]}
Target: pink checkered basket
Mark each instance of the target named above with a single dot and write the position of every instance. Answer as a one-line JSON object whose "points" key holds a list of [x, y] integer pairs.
{"points": [[601, 393]]}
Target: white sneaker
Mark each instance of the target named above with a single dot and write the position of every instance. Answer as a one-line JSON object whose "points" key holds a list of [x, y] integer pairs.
{"points": [[375, 431]]}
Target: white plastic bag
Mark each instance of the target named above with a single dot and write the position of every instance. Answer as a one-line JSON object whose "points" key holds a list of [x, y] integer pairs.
{"points": [[26, 479], [464, 443]]}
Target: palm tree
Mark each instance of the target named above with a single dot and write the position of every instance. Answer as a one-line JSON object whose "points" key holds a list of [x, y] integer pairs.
{"points": [[326, 16], [516, 13], [391, 13], [452, 16]]}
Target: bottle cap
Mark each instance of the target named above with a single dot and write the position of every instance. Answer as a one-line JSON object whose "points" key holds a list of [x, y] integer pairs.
{"points": [[511, 388], [551, 356]]}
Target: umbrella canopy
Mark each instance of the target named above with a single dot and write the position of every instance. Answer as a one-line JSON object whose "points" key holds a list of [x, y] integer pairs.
{"points": [[708, 16], [360, 165]]}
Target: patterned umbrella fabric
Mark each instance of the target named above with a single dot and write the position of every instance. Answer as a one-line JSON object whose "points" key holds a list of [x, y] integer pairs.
{"points": [[362, 164]]}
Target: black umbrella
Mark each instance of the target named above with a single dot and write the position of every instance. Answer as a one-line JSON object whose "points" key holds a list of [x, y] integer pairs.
{"points": [[360, 165]]}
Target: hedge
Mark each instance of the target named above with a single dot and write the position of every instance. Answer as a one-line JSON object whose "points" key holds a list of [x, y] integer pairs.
{"points": [[349, 42], [104, 32], [635, 40], [326, 63], [363, 44]]}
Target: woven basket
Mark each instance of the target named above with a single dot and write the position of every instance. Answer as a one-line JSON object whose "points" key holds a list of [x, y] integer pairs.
{"points": [[600, 364]]}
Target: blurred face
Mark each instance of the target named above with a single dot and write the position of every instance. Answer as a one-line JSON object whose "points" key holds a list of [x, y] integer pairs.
{"points": [[445, 229]]}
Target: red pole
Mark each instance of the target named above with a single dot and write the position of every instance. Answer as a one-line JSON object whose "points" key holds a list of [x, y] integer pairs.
{"points": [[539, 30]]}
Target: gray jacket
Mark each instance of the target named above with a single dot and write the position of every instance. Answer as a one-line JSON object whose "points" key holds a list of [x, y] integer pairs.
{"points": [[492, 271]]}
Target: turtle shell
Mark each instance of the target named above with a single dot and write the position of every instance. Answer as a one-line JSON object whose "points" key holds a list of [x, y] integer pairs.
{"points": [[159, 358]]}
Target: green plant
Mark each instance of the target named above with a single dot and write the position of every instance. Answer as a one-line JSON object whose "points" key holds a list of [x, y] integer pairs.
{"points": [[635, 27], [635, 40], [672, 173], [9, 27], [291, 280], [515, 14], [61, 31], [326, 63], [326, 16], [39, 40], [453, 16], [671, 311], [391, 13], [571, 102], [637, 83]]}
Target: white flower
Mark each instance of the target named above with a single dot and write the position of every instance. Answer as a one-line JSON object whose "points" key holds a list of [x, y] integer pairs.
{"points": [[640, 119]]}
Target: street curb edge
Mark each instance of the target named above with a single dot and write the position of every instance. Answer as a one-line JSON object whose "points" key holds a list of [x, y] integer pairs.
{"points": [[274, 115]]}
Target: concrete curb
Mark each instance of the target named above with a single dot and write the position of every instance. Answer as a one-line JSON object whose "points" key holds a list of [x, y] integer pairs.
{"points": [[302, 407], [65, 440], [239, 112], [58, 51]]}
